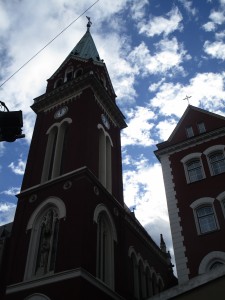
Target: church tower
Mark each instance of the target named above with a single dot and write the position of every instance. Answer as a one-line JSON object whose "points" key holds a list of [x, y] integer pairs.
{"points": [[72, 236], [193, 164]]}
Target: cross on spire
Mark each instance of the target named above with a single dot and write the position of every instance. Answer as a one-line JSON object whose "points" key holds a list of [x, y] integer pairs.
{"points": [[89, 23], [187, 98]]}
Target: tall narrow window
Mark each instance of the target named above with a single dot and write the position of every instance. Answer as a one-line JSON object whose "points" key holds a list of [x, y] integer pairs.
{"points": [[217, 161], [135, 279], [142, 281], [68, 74], [105, 159], [105, 250], [106, 236], [56, 145], [189, 131], [194, 169], [201, 127]]}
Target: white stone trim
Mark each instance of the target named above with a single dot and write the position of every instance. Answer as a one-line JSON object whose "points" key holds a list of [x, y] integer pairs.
{"points": [[37, 296], [176, 229], [210, 150], [49, 201], [210, 258], [189, 157]]}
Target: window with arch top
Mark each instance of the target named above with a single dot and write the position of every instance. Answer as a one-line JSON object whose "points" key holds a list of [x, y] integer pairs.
{"points": [[105, 158], [216, 159], [44, 226], [54, 154], [193, 167], [205, 215], [106, 236]]}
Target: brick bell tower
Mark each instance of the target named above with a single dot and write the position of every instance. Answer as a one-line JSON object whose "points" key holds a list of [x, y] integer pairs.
{"points": [[74, 165], [73, 237]]}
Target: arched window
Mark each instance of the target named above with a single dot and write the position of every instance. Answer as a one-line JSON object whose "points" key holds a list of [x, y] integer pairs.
{"points": [[217, 161], [142, 280], [105, 159], [68, 74], [135, 272], [56, 145], [193, 167], [148, 282], [206, 219], [212, 261], [44, 225], [154, 284], [106, 236], [78, 73], [37, 297], [58, 83], [205, 215], [160, 283]]}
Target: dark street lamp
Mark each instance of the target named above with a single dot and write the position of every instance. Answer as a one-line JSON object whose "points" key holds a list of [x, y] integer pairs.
{"points": [[11, 123]]}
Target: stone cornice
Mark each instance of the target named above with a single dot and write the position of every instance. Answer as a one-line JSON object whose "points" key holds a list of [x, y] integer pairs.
{"points": [[72, 89]]}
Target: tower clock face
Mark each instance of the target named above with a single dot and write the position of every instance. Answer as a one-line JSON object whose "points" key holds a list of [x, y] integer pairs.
{"points": [[60, 112], [105, 121]]}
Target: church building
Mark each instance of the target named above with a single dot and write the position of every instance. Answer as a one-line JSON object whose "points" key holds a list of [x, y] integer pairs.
{"points": [[73, 236], [193, 164]]}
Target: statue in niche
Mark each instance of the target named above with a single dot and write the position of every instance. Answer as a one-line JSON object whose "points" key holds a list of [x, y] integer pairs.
{"points": [[45, 243]]}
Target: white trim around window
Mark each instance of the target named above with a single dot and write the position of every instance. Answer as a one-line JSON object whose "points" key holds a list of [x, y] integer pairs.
{"points": [[212, 258], [221, 199], [200, 203], [211, 150], [189, 158]]}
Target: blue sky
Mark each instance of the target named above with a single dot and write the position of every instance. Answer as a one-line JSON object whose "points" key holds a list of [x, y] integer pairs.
{"points": [[156, 52]]}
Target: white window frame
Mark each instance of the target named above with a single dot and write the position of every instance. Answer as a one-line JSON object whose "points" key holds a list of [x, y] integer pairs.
{"points": [[37, 296], [197, 204], [105, 158], [56, 134], [210, 151], [209, 260], [189, 157]]}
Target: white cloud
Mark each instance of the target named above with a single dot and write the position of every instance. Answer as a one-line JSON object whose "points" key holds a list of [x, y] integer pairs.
{"points": [[141, 120], [138, 9], [209, 26], [206, 90], [19, 167], [217, 17], [162, 24], [169, 56], [189, 8], [215, 49], [165, 128], [7, 212], [11, 191]]}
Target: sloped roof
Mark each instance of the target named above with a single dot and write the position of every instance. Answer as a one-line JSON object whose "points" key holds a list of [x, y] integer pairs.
{"points": [[86, 48], [191, 117]]}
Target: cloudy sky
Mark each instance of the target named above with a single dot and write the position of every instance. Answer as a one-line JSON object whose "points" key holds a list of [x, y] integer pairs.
{"points": [[156, 52]]}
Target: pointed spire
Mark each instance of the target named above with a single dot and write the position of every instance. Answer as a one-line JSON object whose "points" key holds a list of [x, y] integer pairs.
{"points": [[162, 244], [86, 47]]}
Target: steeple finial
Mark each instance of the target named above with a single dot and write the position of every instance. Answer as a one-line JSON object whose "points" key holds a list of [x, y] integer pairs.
{"points": [[89, 23]]}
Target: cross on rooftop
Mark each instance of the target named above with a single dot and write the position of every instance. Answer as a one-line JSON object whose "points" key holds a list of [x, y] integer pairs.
{"points": [[187, 98]]}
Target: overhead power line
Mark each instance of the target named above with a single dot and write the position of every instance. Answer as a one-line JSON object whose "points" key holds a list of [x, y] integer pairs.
{"points": [[48, 43]]}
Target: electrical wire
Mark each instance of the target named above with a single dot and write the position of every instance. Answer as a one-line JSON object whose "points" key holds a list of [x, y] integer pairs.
{"points": [[48, 44]]}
